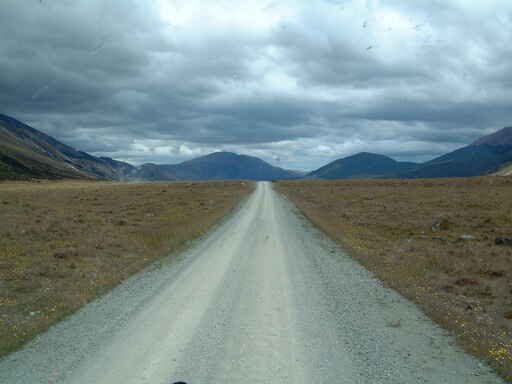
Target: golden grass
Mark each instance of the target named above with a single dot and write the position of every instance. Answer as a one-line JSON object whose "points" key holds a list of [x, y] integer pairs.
{"points": [[463, 284], [64, 243]]}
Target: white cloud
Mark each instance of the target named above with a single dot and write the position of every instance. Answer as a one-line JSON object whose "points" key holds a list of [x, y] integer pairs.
{"points": [[296, 82]]}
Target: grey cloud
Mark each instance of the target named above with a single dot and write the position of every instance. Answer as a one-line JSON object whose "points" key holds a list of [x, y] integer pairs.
{"points": [[113, 78]]}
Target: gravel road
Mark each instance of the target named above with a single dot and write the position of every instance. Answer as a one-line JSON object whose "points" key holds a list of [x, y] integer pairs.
{"points": [[263, 298]]}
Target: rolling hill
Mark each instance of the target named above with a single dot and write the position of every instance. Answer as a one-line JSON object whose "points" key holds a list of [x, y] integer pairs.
{"points": [[363, 165], [215, 166]]}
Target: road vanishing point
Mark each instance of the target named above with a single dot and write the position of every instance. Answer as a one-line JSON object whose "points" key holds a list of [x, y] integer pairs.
{"points": [[262, 298]]}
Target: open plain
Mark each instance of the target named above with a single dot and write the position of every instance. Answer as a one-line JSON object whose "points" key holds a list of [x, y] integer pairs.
{"points": [[263, 298], [435, 241], [62, 244]]}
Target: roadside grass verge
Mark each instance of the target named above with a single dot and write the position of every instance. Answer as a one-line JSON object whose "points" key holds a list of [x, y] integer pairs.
{"points": [[434, 242], [62, 244]]}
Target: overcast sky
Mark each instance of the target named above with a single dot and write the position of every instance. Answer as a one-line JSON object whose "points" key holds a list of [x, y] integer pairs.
{"points": [[297, 83]]}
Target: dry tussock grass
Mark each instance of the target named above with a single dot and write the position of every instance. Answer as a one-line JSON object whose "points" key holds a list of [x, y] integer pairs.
{"points": [[413, 235], [64, 243]]}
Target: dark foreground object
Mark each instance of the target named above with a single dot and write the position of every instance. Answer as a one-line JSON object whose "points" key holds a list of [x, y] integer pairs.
{"points": [[504, 240]]}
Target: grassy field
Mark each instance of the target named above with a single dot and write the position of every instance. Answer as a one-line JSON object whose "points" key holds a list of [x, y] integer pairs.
{"points": [[433, 241], [64, 243]]}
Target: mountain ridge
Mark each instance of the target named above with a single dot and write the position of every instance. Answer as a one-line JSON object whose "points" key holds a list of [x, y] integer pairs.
{"points": [[28, 153], [501, 137], [362, 165], [214, 166], [470, 161], [485, 156]]}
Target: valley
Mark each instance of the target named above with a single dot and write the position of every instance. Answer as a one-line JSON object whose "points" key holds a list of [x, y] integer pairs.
{"points": [[263, 298], [29, 154], [62, 244]]}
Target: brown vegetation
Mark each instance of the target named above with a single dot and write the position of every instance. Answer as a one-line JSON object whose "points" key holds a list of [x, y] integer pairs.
{"points": [[432, 240], [64, 243]]}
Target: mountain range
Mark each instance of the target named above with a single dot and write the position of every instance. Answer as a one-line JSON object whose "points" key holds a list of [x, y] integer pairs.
{"points": [[215, 166], [487, 155], [26, 153]]}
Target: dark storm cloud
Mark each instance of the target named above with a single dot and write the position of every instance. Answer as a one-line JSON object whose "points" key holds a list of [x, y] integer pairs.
{"points": [[296, 83]]}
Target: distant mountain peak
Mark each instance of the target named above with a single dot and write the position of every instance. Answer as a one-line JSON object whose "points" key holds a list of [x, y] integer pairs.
{"points": [[362, 165], [501, 137], [369, 156], [28, 153], [220, 155], [216, 166]]}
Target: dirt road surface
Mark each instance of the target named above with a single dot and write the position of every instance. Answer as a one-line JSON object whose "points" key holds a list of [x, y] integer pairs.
{"points": [[264, 298]]}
